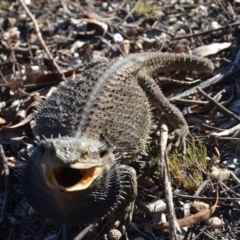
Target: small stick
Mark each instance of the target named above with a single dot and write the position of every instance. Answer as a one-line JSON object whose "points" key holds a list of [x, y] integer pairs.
{"points": [[82, 234], [172, 224], [185, 36], [218, 104], [41, 39], [210, 82]]}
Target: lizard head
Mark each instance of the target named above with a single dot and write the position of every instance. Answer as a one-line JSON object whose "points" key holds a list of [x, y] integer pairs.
{"points": [[72, 164], [72, 180]]}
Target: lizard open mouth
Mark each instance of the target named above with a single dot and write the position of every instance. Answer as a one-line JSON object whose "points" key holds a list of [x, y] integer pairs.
{"points": [[70, 179]]}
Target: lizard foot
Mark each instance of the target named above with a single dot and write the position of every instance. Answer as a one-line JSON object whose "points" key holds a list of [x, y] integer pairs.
{"points": [[178, 138]]}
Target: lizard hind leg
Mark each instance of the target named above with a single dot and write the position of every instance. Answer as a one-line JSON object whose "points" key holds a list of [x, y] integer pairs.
{"points": [[172, 113]]}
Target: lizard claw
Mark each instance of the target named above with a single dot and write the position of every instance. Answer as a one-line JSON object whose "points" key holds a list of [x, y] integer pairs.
{"points": [[179, 136], [124, 218]]}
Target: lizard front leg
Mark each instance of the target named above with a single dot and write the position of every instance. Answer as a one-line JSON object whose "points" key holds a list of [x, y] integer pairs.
{"points": [[172, 113], [121, 218]]}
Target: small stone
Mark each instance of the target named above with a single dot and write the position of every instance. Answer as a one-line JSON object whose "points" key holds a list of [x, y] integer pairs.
{"points": [[198, 206], [157, 206], [117, 37], [23, 17], [114, 234], [202, 10], [181, 32], [34, 68], [215, 222], [214, 25], [172, 20], [105, 5], [221, 174]]}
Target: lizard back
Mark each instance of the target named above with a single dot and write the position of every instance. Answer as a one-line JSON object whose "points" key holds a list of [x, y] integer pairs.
{"points": [[102, 104]]}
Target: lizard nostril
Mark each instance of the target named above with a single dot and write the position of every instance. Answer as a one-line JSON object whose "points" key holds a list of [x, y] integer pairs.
{"points": [[103, 153]]}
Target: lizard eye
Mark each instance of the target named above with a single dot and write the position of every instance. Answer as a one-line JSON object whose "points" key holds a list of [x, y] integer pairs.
{"points": [[86, 153]]}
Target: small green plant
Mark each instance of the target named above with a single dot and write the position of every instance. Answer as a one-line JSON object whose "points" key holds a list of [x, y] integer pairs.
{"points": [[4, 5], [146, 9], [187, 170]]}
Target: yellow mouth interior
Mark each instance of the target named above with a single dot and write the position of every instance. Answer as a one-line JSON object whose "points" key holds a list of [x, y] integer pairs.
{"points": [[70, 179]]}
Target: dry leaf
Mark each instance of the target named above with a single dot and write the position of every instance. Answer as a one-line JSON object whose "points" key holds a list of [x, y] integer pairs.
{"points": [[125, 46], [211, 49], [23, 122], [102, 25], [36, 100], [20, 115], [54, 77], [2, 121]]}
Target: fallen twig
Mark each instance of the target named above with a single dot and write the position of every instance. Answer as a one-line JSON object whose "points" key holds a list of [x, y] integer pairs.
{"points": [[173, 224], [185, 36], [41, 39], [229, 113], [211, 81], [82, 234]]}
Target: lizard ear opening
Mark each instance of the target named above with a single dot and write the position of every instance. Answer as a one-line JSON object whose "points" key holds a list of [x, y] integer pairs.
{"points": [[103, 153]]}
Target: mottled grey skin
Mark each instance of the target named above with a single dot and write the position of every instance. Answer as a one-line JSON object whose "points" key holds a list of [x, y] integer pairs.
{"points": [[104, 107]]}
